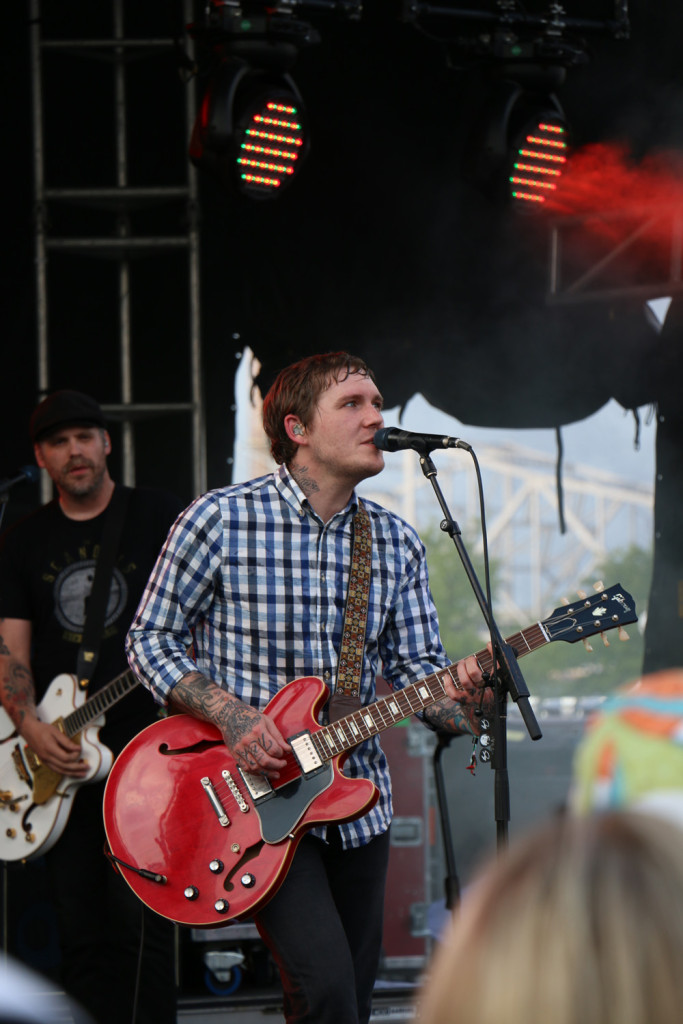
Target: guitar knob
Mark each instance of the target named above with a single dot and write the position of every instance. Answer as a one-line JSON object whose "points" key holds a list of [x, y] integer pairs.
{"points": [[216, 866], [191, 892], [221, 906], [248, 881]]}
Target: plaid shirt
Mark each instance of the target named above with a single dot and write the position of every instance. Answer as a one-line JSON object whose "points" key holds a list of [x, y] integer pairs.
{"points": [[256, 583]]}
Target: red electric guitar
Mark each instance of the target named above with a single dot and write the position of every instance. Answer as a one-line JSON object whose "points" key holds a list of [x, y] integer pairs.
{"points": [[203, 843]]}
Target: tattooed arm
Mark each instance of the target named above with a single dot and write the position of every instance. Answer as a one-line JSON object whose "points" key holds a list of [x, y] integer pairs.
{"points": [[251, 737], [18, 696], [456, 712]]}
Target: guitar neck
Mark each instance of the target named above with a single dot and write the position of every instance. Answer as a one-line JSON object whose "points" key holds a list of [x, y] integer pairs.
{"points": [[346, 733], [95, 706]]}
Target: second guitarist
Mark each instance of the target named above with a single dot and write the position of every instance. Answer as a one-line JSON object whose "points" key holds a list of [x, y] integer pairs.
{"points": [[47, 563], [255, 577]]}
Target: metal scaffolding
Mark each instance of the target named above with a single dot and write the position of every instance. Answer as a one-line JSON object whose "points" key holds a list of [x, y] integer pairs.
{"points": [[578, 273], [120, 199]]}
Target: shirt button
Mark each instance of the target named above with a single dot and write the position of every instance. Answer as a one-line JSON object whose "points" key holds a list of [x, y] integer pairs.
{"points": [[326, 674]]}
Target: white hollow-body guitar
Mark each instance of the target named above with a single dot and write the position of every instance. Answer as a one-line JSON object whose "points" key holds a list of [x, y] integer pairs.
{"points": [[35, 802]]}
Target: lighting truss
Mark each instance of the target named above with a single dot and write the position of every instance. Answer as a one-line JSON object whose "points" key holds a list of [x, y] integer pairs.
{"points": [[511, 31]]}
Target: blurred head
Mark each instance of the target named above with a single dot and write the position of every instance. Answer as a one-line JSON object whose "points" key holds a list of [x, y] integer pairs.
{"points": [[578, 922], [296, 391]]}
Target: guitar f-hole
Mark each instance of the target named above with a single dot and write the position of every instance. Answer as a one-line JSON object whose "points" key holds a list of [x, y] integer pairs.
{"points": [[26, 825], [248, 855]]}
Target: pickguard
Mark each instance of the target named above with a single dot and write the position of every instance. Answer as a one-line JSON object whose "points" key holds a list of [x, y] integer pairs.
{"points": [[280, 811]]}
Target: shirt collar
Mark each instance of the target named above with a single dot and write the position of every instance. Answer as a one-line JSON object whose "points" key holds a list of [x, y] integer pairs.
{"points": [[289, 489]]}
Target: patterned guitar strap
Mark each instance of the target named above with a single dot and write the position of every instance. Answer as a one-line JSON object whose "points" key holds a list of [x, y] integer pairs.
{"points": [[346, 696]]}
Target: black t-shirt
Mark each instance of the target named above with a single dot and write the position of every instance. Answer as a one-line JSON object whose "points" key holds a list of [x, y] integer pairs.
{"points": [[47, 565]]}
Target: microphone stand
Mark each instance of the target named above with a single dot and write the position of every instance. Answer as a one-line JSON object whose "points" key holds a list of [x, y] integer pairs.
{"points": [[507, 677]]}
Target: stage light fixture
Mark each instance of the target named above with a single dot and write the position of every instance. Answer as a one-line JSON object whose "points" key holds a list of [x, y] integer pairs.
{"points": [[251, 130], [522, 145], [539, 158]]}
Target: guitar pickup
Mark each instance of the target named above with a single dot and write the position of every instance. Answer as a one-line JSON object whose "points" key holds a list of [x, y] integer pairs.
{"points": [[304, 751], [258, 785], [21, 767]]}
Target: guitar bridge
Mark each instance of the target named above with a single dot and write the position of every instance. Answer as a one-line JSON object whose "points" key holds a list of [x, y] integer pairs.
{"points": [[10, 802], [223, 819]]}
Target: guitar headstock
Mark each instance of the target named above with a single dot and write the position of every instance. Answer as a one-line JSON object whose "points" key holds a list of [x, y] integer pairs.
{"points": [[610, 608]]}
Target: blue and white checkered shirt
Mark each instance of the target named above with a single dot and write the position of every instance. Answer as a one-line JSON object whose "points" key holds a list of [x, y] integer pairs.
{"points": [[256, 583]]}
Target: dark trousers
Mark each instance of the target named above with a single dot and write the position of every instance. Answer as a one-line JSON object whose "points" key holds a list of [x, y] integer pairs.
{"points": [[102, 925], [324, 930]]}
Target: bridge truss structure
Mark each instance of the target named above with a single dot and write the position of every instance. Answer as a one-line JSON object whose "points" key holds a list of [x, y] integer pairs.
{"points": [[524, 509]]}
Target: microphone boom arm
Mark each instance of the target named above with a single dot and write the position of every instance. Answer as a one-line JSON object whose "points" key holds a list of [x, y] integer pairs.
{"points": [[505, 665]]}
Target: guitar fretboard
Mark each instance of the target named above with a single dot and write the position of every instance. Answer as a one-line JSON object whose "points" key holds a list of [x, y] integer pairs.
{"points": [[345, 733], [100, 702]]}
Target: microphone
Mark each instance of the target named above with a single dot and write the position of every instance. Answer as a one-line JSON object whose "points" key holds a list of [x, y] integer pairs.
{"points": [[391, 439], [29, 473]]}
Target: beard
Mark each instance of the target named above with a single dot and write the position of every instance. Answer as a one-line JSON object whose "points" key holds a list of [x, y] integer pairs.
{"points": [[85, 485]]}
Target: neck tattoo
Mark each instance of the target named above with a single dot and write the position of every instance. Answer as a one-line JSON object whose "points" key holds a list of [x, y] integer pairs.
{"points": [[305, 482]]}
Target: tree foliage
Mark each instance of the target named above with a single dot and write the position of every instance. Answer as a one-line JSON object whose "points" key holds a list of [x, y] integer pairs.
{"points": [[559, 669], [463, 629]]}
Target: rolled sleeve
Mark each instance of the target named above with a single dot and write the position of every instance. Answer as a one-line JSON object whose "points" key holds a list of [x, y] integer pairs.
{"points": [[177, 596]]}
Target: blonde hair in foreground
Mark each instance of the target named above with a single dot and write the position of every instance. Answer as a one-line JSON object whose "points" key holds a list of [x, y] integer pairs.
{"points": [[580, 922]]}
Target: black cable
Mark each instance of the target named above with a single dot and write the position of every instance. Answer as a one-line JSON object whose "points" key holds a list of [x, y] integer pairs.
{"points": [[558, 477]]}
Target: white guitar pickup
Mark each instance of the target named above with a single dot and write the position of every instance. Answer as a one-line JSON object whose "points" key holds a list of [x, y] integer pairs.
{"points": [[308, 757], [257, 785]]}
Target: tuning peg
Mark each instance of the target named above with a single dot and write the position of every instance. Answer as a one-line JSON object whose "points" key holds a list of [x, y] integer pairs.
{"points": [[623, 635], [599, 586], [587, 645], [604, 640], [564, 600], [581, 593]]}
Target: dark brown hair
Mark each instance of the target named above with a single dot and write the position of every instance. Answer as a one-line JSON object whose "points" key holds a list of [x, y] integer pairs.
{"points": [[297, 389]]}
